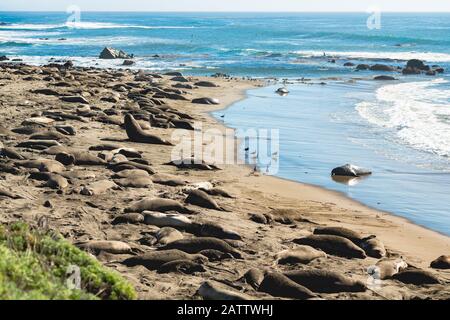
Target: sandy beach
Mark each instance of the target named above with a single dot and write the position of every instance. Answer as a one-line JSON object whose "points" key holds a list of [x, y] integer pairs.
{"points": [[283, 210]]}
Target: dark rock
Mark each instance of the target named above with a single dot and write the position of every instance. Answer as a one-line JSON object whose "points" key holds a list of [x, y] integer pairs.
{"points": [[384, 78], [111, 53], [349, 64], [381, 67], [4, 58], [128, 63]]}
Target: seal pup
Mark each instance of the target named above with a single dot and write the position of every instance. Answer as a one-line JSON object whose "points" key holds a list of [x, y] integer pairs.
{"points": [[128, 218], [182, 266], [136, 134], [98, 187], [167, 235], [417, 277], [212, 290], [168, 180], [159, 205], [278, 285], [114, 247], [387, 268], [210, 229], [160, 219], [155, 259], [201, 199], [443, 262], [195, 245], [324, 281], [135, 182], [301, 254], [333, 245]]}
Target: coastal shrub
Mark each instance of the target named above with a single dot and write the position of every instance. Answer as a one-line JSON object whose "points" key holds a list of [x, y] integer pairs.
{"points": [[34, 264]]}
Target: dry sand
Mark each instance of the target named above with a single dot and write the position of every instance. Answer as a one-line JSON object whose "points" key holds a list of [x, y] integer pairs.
{"points": [[83, 218]]}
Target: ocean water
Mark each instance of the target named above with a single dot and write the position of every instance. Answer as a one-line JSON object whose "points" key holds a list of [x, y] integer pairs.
{"points": [[400, 129]]}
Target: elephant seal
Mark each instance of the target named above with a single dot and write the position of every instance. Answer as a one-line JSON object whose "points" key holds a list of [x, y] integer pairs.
{"points": [[38, 144], [128, 218], [130, 165], [201, 199], [126, 174], [372, 246], [254, 277], [155, 259], [8, 194], [159, 205], [181, 266], [217, 192], [10, 153], [167, 235], [135, 182], [417, 277], [210, 290], [168, 180], [206, 101], [98, 187], [55, 181], [49, 135], [387, 268], [160, 219], [301, 254], [192, 163], [114, 247], [278, 285], [136, 134], [196, 245], [215, 255], [350, 170], [209, 229], [333, 245], [79, 158], [44, 165], [324, 281], [443, 262]]}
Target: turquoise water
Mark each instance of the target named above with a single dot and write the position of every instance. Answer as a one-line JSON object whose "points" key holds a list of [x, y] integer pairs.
{"points": [[400, 130]]}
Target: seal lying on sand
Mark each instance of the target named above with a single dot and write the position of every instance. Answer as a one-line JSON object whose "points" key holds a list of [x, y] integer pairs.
{"points": [[115, 247], [301, 254], [209, 229], [167, 235], [159, 205], [154, 260], [253, 277], [196, 245], [324, 281], [191, 163], [136, 134], [130, 165], [417, 277], [98, 187], [135, 182], [333, 245], [371, 245], [201, 199], [128, 218], [443, 262], [278, 285], [160, 219], [44, 165], [79, 158], [215, 255], [168, 180], [8, 194], [210, 290], [52, 180], [181, 266], [386, 269]]}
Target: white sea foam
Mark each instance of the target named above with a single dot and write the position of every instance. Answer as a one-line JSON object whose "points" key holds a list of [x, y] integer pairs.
{"points": [[85, 25], [426, 56], [417, 112]]}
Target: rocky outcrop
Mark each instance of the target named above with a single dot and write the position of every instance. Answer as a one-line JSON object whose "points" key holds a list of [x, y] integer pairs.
{"points": [[111, 53], [382, 67]]}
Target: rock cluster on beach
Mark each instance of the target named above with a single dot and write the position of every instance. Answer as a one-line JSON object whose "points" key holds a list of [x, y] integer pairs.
{"points": [[90, 150]]}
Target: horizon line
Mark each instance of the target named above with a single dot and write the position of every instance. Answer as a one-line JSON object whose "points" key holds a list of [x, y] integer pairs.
{"points": [[218, 11]]}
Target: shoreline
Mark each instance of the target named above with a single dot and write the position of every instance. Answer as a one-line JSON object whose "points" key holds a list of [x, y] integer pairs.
{"points": [[295, 208], [319, 192]]}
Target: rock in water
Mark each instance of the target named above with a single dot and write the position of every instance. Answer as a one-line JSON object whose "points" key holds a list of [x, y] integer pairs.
{"points": [[111, 53], [350, 170]]}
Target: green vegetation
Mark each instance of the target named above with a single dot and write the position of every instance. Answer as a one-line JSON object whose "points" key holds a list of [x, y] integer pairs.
{"points": [[37, 265]]}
